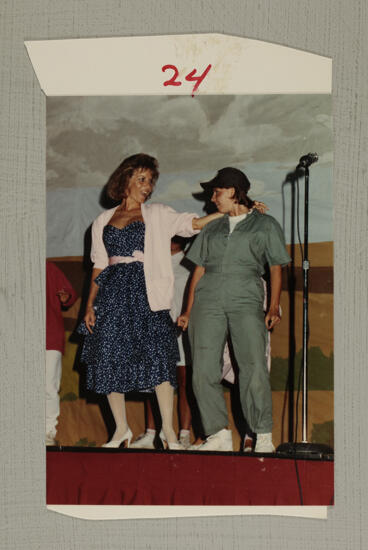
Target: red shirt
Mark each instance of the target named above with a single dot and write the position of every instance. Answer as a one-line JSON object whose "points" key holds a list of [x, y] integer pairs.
{"points": [[55, 282]]}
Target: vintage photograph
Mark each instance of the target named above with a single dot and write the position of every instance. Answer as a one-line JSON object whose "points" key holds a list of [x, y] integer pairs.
{"points": [[189, 299]]}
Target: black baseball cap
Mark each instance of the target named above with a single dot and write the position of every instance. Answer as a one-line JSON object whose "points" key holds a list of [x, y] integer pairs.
{"points": [[228, 177]]}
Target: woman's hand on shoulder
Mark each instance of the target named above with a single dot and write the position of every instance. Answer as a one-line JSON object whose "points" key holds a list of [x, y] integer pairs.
{"points": [[90, 318], [183, 321], [261, 207]]}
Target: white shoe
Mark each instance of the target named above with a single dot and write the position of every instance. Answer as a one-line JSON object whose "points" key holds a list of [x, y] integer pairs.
{"points": [[50, 439], [220, 441], [173, 446], [115, 443], [184, 438], [248, 444], [144, 441], [194, 447], [264, 444]]}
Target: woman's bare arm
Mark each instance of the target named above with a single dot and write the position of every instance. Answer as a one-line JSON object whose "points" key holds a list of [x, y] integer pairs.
{"points": [[199, 223]]}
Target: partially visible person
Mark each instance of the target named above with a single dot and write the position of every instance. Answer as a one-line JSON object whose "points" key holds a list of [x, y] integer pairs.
{"points": [[181, 274], [59, 294]]}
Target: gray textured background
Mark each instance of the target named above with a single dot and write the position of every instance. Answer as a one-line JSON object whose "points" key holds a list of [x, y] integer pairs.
{"points": [[334, 28]]}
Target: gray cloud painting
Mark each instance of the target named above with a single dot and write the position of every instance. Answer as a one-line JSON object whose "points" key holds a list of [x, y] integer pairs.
{"points": [[87, 137]]}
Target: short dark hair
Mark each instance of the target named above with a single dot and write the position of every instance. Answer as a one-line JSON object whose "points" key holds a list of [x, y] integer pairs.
{"points": [[118, 181]]}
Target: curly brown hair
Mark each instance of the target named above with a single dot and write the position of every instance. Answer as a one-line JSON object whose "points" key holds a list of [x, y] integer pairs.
{"points": [[118, 181]]}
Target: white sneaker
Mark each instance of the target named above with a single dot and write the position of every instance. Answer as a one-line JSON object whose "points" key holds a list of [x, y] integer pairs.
{"points": [[184, 438], [220, 441], [194, 447], [264, 444], [144, 441], [50, 439]]}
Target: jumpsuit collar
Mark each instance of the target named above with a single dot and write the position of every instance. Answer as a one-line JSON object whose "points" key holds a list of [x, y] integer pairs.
{"points": [[251, 214]]}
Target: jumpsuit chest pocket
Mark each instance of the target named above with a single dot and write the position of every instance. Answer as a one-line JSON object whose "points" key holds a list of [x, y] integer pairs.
{"points": [[245, 247], [216, 247]]}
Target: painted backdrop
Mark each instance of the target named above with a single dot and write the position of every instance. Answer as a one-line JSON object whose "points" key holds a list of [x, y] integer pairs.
{"points": [[263, 135]]}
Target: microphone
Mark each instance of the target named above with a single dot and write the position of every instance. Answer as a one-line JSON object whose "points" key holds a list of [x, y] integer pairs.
{"points": [[307, 160]]}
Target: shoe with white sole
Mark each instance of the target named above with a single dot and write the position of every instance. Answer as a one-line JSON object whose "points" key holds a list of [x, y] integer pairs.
{"points": [[144, 441], [248, 444], [174, 446], [50, 439], [184, 438], [194, 447], [264, 444], [171, 446], [116, 443], [220, 441]]}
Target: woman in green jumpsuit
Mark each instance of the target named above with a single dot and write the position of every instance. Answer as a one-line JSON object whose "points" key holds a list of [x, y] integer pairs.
{"points": [[227, 296]]}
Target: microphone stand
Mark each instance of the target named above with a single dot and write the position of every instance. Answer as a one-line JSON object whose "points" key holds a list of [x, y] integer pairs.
{"points": [[304, 449]]}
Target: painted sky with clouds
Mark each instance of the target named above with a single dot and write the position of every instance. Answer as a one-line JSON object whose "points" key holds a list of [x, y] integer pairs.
{"points": [[87, 137]]}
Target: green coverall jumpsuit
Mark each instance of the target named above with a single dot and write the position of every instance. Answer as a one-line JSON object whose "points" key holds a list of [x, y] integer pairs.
{"points": [[229, 298]]}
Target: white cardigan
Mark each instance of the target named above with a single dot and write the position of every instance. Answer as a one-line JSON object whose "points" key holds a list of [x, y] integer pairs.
{"points": [[162, 223]]}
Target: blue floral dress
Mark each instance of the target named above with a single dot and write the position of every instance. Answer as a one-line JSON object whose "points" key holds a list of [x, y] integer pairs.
{"points": [[131, 347]]}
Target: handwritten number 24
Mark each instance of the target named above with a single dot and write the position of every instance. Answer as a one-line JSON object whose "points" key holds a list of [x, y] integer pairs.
{"points": [[191, 77]]}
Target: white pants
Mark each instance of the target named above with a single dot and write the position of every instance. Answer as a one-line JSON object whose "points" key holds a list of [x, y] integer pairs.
{"points": [[53, 377]]}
